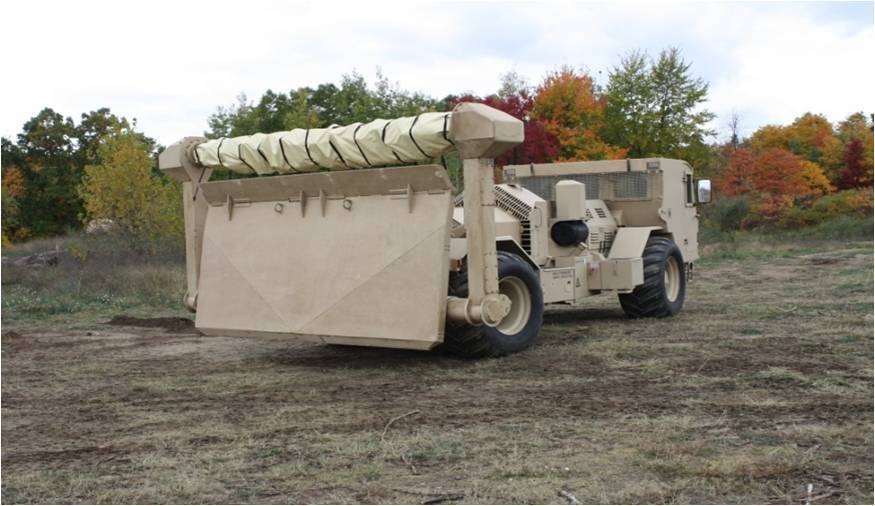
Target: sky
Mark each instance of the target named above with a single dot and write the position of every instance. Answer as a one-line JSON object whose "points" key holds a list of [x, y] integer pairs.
{"points": [[169, 64]]}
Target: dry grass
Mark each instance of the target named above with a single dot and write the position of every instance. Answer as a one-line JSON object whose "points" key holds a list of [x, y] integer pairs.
{"points": [[97, 275], [762, 385]]}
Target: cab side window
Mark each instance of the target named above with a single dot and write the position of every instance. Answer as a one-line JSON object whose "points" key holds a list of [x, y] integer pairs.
{"points": [[688, 183]]}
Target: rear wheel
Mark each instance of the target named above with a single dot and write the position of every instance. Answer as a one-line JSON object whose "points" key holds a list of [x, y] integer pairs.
{"points": [[664, 288], [516, 331]]}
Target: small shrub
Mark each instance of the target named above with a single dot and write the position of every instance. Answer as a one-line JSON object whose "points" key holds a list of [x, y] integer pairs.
{"points": [[727, 214], [848, 203], [840, 228]]}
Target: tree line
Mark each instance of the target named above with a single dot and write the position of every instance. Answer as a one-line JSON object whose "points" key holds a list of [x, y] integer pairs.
{"points": [[60, 174]]}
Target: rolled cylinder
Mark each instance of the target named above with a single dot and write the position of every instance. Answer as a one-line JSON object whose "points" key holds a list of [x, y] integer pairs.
{"points": [[360, 145]]}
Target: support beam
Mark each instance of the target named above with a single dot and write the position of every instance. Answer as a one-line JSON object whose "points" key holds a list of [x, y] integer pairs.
{"points": [[178, 163], [485, 305], [480, 226]]}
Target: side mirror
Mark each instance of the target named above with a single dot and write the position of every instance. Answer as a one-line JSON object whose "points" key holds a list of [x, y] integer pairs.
{"points": [[703, 191]]}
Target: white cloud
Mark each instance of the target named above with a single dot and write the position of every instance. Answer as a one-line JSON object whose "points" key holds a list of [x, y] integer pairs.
{"points": [[169, 64], [779, 74]]}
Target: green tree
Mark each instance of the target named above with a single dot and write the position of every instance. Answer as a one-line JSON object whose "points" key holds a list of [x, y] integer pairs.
{"points": [[353, 101], [301, 114], [94, 126], [513, 85], [630, 99], [655, 107], [50, 154], [123, 188], [47, 148], [9, 214]]}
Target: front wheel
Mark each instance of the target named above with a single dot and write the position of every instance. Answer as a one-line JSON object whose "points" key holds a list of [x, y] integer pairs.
{"points": [[665, 282], [516, 331]]}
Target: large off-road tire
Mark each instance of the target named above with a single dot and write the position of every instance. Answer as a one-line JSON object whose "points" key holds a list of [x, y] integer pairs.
{"points": [[519, 281], [665, 282]]}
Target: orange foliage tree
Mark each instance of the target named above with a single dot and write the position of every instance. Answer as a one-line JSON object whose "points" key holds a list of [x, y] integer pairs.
{"points": [[815, 178], [13, 181], [775, 177], [810, 136], [568, 108], [738, 178]]}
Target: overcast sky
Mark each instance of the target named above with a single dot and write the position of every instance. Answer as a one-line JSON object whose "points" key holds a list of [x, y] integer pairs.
{"points": [[169, 64]]}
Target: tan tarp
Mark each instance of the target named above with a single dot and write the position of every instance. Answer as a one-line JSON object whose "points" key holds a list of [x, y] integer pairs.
{"points": [[375, 144], [292, 146]]}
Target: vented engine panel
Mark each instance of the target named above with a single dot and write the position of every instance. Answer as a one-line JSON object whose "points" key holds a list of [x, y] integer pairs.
{"points": [[519, 204], [602, 226], [534, 216]]}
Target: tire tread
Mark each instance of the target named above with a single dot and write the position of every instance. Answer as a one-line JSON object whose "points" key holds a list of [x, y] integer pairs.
{"points": [[472, 341], [648, 300]]}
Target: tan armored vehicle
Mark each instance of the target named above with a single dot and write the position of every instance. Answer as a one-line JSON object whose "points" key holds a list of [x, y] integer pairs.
{"points": [[333, 246]]}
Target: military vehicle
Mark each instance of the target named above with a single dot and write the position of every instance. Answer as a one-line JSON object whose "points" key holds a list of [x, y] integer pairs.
{"points": [[332, 244]]}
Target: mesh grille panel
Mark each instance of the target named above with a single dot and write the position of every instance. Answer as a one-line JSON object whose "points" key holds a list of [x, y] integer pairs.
{"points": [[627, 185], [630, 185], [544, 186]]}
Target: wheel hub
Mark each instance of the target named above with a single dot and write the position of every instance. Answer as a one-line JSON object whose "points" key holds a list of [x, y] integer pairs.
{"points": [[514, 289], [672, 278]]}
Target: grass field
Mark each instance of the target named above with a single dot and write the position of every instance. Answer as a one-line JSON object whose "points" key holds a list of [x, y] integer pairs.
{"points": [[761, 386]]}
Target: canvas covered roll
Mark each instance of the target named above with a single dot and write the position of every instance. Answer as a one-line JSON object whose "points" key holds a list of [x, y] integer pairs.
{"points": [[223, 153], [250, 154], [360, 145], [293, 147], [272, 150], [344, 141], [370, 139]]}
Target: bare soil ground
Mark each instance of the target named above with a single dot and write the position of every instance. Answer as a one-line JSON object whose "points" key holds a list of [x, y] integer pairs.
{"points": [[762, 385]]}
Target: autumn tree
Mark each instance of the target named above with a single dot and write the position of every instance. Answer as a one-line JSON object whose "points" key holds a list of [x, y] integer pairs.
{"points": [[655, 107], [810, 136], [515, 97], [123, 189], [13, 181], [13, 189], [815, 179], [779, 181], [858, 127], [769, 136], [567, 106], [855, 173], [775, 178], [739, 176]]}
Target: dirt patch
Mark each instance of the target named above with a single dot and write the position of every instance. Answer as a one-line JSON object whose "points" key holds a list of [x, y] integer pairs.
{"points": [[13, 338], [14, 341], [762, 385], [178, 325]]}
